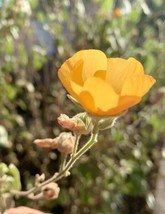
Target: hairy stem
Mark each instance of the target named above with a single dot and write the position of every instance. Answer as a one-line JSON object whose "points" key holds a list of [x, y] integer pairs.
{"points": [[63, 162], [76, 145], [67, 167]]}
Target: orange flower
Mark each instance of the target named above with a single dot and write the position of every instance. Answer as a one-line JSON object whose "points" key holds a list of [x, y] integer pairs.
{"points": [[104, 86]]}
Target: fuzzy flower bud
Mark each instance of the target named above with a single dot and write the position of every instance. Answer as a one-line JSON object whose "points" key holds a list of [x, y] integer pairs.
{"points": [[65, 142], [108, 123], [47, 143], [51, 191], [66, 122], [80, 124]]}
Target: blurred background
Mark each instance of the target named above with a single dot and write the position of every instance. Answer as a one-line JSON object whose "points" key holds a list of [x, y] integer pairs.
{"points": [[118, 175]]}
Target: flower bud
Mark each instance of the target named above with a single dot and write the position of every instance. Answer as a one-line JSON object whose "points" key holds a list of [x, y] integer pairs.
{"points": [[108, 123], [87, 126], [66, 122], [39, 179], [47, 143], [80, 124], [65, 142], [51, 191]]}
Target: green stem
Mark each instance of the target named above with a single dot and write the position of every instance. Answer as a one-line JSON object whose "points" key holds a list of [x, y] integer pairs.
{"points": [[63, 162], [76, 145], [68, 166]]}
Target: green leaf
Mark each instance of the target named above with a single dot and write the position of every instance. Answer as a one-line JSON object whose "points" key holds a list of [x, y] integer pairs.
{"points": [[3, 169], [16, 175]]}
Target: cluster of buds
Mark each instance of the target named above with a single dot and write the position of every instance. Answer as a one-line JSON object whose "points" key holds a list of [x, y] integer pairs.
{"points": [[9, 181], [39, 179], [63, 143], [51, 191], [79, 124]]}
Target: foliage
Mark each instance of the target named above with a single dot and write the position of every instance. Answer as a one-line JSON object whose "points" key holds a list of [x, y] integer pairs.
{"points": [[118, 175]]}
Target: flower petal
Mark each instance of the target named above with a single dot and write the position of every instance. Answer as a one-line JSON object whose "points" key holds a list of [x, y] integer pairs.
{"points": [[65, 79], [71, 70], [76, 88], [93, 60], [102, 93], [101, 74], [120, 69], [76, 73], [73, 88], [82, 65], [125, 103], [137, 85], [86, 100]]}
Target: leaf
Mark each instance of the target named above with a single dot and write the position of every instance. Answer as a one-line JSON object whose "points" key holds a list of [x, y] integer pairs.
{"points": [[3, 169], [16, 175]]}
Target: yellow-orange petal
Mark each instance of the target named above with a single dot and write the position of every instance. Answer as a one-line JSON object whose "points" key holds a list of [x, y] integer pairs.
{"points": [[73, 88], [93, 60], [65, 69], [77, 72], [102, 93], [87, 102], [101, 74], [137, 85], [77, 89], [65, 79], [125, 103], [120, 69]]}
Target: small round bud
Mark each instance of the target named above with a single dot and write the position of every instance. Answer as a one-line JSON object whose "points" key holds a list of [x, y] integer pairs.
{"points": [[65, 142], [51, 191]]}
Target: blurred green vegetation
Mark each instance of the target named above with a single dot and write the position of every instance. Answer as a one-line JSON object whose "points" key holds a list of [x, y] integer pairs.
{"points": [[118, 175]]}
